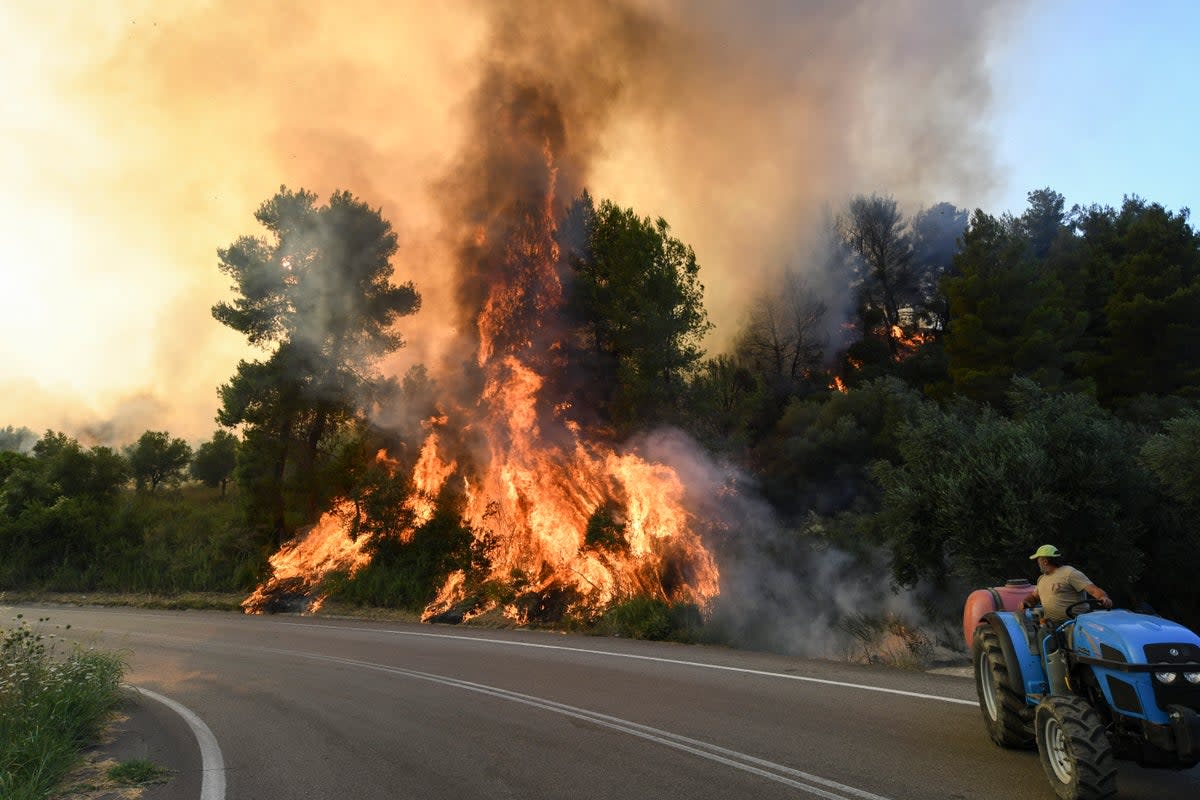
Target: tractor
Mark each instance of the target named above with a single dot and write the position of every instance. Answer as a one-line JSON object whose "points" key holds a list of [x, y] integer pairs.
{"points": [[1102, 686]]}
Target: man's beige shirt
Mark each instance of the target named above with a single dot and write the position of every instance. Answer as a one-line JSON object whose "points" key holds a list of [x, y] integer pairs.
{"points": [[1059, 590]]}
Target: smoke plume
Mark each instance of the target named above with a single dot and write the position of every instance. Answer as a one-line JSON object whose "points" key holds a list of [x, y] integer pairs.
{"points": [[148, 134]]}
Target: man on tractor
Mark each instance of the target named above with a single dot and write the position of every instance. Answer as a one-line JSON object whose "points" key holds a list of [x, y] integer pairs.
{"points": [[1060, 586]]}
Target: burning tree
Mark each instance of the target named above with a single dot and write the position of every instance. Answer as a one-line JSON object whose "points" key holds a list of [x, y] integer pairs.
{"points": [[874, 229], [578, 521], [570, 520]]}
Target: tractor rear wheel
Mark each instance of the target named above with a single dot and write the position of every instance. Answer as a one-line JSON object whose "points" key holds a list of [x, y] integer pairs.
{"points": [[1005, 712], [1074, 749]]}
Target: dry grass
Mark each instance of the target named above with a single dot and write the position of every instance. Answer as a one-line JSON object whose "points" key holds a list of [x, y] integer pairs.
{"points": [[216, 601]]}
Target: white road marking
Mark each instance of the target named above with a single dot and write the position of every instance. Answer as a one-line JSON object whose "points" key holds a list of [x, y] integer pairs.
{"points": [[804, 781], [212, 763], [700, 664]]}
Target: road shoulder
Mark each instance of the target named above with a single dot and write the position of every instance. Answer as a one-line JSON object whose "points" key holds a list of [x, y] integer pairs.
{"points": [[142, 730]]}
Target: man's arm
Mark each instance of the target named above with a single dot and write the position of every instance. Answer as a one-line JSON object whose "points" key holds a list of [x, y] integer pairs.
{"points": [[1031, 600], [1098, 593]]}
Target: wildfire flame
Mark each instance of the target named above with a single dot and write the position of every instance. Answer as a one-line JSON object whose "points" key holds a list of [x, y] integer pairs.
{"points": [[298, 568], [908, 342], [541, 489]]}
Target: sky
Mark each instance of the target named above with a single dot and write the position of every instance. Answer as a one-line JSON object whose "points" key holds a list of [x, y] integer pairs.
{"points": [[138, 137], [1100, 99]]}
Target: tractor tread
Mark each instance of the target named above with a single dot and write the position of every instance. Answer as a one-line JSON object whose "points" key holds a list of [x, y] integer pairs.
{"points": [[1011, 728], [1095, 767]]}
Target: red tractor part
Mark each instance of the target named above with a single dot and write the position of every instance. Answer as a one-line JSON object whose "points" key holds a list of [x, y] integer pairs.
{"points": [[982, 602]]}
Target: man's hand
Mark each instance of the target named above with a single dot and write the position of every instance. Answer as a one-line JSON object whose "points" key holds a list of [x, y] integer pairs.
{"points": [[1106, 601]]}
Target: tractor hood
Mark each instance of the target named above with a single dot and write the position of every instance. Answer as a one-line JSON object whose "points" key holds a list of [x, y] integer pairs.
{"points": [[1128, 633]]}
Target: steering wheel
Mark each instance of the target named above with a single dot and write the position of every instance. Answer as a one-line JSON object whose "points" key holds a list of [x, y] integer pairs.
{"points": [[1083, 606]]}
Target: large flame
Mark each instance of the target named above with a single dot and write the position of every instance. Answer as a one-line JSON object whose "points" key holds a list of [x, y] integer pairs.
{"points": [[561, 515], [536, 499], [299, 567]]}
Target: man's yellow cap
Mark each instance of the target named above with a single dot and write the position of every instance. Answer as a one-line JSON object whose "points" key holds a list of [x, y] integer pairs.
{"points": [[1047, 551]]}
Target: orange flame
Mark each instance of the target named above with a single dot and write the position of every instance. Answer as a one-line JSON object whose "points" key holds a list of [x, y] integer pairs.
{"points": [[557, 513], [908, 343], [300, 566]]}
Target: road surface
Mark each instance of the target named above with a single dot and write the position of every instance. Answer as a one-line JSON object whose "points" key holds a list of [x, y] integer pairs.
{"points": [[305, 708]]}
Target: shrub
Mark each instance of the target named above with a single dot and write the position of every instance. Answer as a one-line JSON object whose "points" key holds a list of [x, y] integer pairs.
{"points": [[653, 619], [51, 705]]}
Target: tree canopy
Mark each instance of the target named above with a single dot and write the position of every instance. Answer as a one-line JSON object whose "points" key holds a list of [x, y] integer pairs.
{"points": [[155, 458], [637, 292], [214, 461], [317, 292]]}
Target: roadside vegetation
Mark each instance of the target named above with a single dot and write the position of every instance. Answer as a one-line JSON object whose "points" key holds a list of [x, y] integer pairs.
{"points": [[54, 699], [955, 389]]}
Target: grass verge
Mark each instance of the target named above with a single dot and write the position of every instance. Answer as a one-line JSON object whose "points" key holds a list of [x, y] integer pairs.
{"points": [[214, 601], [53, 701]]}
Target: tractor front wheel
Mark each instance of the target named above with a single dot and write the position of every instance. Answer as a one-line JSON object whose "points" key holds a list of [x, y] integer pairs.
{"points": [[1004, 711], [1074, 749]]}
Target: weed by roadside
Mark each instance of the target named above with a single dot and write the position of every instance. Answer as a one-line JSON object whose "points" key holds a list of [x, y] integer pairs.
{"points": [[54, 698], [138, 772], [888, 639]]}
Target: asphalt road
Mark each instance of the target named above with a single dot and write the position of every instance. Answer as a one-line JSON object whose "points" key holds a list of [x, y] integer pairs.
{"points": [[316, 708]]}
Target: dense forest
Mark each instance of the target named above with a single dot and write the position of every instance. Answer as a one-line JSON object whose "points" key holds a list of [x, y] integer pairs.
{"points": [[935, 396]]}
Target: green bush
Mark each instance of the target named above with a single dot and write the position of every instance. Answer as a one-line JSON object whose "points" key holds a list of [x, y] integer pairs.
{"points": [[51, 705], [185, 541], [653, 619]]}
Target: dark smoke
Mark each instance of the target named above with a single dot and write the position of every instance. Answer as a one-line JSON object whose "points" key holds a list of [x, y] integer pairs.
{"points": [[556, 81]]}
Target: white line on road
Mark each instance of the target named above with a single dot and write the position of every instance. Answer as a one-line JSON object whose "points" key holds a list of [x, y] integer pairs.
{"points": [[701, 664], [212, 763], [804, 781]]}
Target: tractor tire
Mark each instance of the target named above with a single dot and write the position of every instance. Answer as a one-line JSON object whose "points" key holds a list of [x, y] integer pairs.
{"points": [[1074, 749], [1005, 713]]}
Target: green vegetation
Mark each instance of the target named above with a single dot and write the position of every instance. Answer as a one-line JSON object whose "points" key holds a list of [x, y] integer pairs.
{"points": [[52, 703], [156, 459], [407, 574], [68, 528], [138, 772], [1002, 381], [639, 301], [318, 291], [215, 460], [653, 619]]}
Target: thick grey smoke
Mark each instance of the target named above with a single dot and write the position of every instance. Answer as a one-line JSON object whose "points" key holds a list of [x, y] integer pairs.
{"points": [[756, 122], [152, 132], [742, 124], [785, 590]]}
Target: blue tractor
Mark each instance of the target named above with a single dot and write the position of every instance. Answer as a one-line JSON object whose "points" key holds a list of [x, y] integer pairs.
{"points": [[1104, 685]]}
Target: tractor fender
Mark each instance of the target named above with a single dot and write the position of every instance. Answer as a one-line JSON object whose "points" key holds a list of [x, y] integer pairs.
{"points": [[1026, 677]]}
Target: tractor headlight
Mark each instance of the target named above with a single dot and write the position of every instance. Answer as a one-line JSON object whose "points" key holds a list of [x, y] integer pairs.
{"points": [[1192, 677], [1166, 677]]}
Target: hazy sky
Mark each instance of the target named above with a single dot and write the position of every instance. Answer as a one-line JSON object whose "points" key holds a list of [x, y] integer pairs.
{"points": [[138, 137]]}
